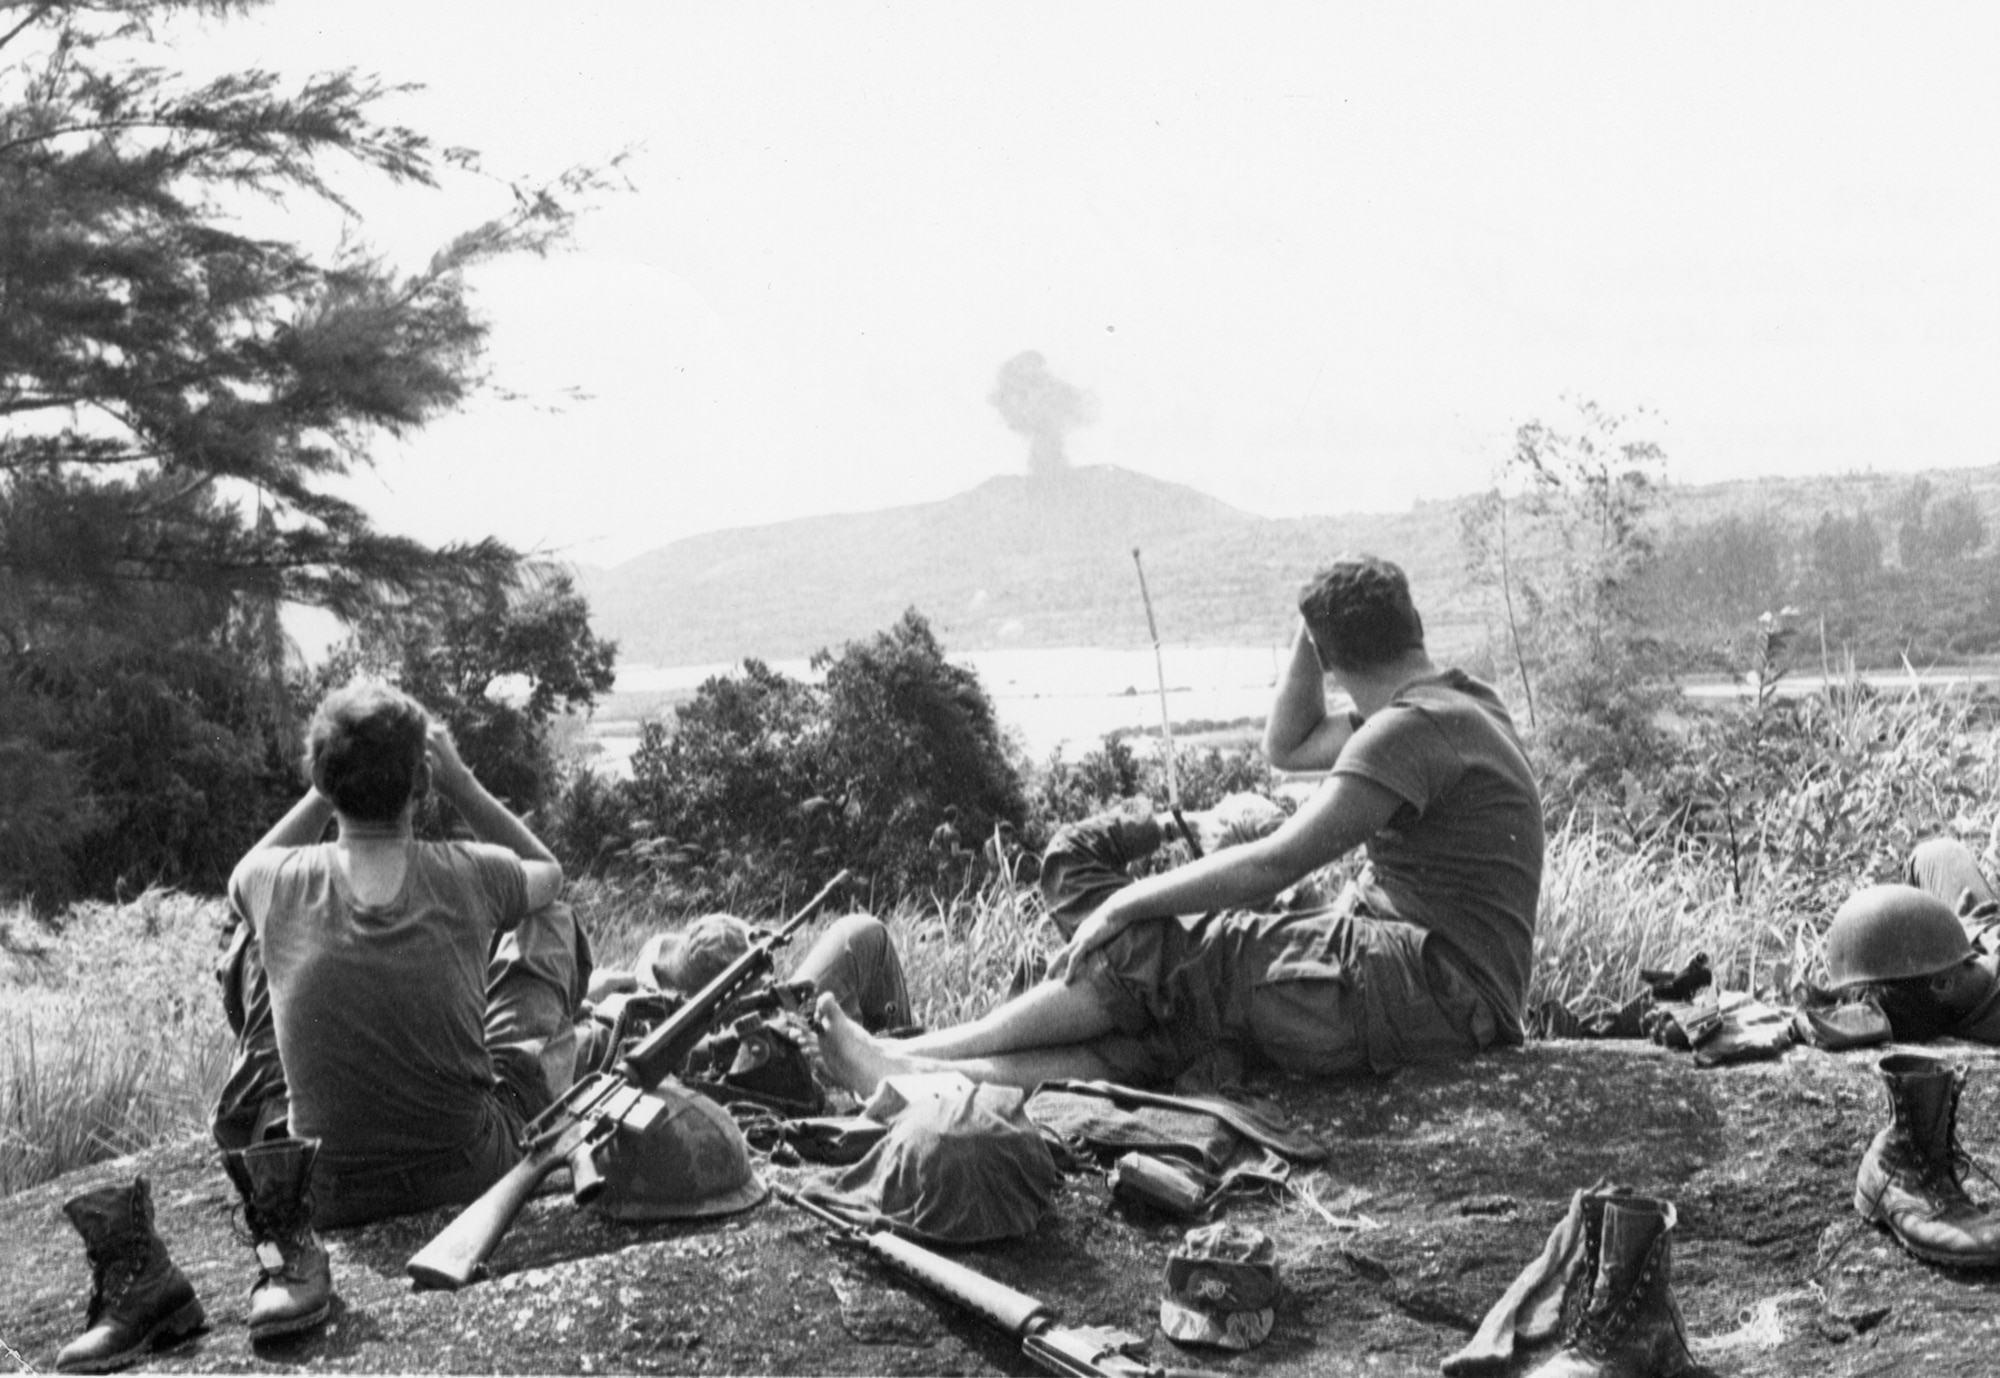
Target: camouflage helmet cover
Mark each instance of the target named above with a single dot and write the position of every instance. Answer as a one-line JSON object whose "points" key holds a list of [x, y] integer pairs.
{"points": [[689, 1161], [1892, 933]]}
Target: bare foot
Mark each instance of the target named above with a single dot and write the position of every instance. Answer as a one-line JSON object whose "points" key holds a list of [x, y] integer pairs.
{"points": [[855, 1058]]}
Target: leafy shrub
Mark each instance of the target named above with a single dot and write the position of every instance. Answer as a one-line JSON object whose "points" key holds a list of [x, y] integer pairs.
{"points": [[1063, 791], [765, 785], [141, 761]]}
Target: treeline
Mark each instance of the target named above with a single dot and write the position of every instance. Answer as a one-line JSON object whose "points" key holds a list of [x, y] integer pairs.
{"points": [[1597, 607], [1909, 578]]}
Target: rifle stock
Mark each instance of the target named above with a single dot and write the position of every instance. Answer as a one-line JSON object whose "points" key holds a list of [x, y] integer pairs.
{"points": [[459, 1252], [586, 1115]]}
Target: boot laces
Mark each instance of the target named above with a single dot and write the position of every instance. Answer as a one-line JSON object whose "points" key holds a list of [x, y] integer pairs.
{"points": [[1599, 1329], [1964, 1162], [1576, 1299], [1946, 1172], [113, 1269], [277, 1244], [1596, 1332]]}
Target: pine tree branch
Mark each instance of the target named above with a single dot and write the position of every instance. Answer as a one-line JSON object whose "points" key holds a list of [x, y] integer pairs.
{"points": [[35, 16], [42, 401]]}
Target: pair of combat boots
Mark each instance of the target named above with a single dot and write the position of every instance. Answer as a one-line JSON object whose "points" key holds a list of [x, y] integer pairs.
{"points": [[1625, 1323], [139, 1300], [1912, 1179]]}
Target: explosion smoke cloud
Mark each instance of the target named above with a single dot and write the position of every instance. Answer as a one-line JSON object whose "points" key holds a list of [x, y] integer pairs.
{"points": [[1035, 403]]}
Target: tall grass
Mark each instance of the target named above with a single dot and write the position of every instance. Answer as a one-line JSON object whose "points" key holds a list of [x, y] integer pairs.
{"points": [[1608, 912], [111, 1031], [1807, 802], [960, 950]]}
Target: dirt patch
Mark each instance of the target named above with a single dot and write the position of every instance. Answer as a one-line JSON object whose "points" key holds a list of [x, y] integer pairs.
{"points": [[1460, 1174]]}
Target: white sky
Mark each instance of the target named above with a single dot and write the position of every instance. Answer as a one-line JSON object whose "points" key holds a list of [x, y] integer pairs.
{"points": [[1308, 258]]}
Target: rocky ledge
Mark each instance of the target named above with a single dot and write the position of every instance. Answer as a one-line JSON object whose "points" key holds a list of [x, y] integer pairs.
{"points": [[1440, 1186]]}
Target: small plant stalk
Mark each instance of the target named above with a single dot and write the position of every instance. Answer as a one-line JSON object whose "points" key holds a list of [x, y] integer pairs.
{"points": [[1166, 718]]}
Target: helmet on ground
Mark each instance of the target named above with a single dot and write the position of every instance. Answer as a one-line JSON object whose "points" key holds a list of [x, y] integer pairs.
{"points": [[961, 1164], [689, 1161], [1892, 933]]}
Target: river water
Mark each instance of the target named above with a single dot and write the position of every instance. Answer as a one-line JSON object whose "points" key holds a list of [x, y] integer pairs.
{"points": [[1067, 700], [1052, 700]]}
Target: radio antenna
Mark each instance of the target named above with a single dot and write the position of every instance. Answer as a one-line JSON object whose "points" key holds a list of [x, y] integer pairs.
{"points": [[1166, 719]]}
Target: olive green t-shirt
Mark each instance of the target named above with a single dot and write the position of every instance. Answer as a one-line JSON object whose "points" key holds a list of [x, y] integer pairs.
{"points": [[380, 1010], [1461, 857]]}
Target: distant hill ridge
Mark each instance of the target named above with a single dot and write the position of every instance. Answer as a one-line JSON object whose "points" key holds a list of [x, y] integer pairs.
{"points": [[1045, 561]]}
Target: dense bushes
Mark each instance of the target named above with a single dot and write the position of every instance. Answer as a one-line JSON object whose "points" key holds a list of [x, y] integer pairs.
{"points": [[148, 757], [765, 785]]}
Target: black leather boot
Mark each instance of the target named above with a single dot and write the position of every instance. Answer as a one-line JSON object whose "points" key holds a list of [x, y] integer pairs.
{"points": [[1623, 1321], [1912, 1178], [138, 1298], [296, 1290]]}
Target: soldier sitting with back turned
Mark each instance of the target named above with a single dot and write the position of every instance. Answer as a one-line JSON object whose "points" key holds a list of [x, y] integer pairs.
{"points": [[403, 1008], [1425, 956]]}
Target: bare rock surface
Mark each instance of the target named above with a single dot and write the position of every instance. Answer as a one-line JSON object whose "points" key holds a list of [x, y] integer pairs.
{"points": [[1441, 1185]]}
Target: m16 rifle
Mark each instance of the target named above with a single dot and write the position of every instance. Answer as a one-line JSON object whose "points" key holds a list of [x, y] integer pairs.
{"points": [[577, 1126], [1080, 1351]]}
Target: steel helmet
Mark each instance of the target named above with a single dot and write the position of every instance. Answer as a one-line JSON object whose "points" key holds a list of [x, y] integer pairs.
{"points": [[690, 1160], [1892, 933]]}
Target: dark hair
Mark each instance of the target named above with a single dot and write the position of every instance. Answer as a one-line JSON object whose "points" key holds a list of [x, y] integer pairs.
{"points": [[364, 748], [1921, 1008], [1359, 612]]}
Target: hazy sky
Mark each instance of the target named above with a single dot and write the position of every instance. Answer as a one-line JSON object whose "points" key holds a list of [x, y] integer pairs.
{"points": [[1308, 258]]}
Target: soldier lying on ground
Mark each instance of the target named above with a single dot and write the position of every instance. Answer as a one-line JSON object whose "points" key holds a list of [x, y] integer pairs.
{"points": [[764, 1054], [854, 960], [1425, 956], [1928, 952]]}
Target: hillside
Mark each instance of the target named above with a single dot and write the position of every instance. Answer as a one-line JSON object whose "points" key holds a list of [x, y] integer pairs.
{"points": [[1046, 561], [1014, 562]]}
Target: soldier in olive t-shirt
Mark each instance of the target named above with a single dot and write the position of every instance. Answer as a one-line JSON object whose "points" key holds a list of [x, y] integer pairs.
{"points": [[1426, 956], [1461, 857]]}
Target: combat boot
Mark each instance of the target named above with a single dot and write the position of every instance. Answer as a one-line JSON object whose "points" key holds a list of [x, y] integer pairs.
{"points": [[296, 1291], [1624, 1322], [1912, 1178], [138, 1298]]}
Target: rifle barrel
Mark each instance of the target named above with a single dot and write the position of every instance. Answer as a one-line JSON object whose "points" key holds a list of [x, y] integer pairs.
{"points": [[1017, 1313]]}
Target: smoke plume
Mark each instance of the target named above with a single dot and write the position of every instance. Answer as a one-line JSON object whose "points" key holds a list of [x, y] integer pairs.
{"points": [[1035, 403]]}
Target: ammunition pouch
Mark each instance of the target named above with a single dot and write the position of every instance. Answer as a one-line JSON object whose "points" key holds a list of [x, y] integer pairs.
{"points": [[757, 1053], [761, 1060]]}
